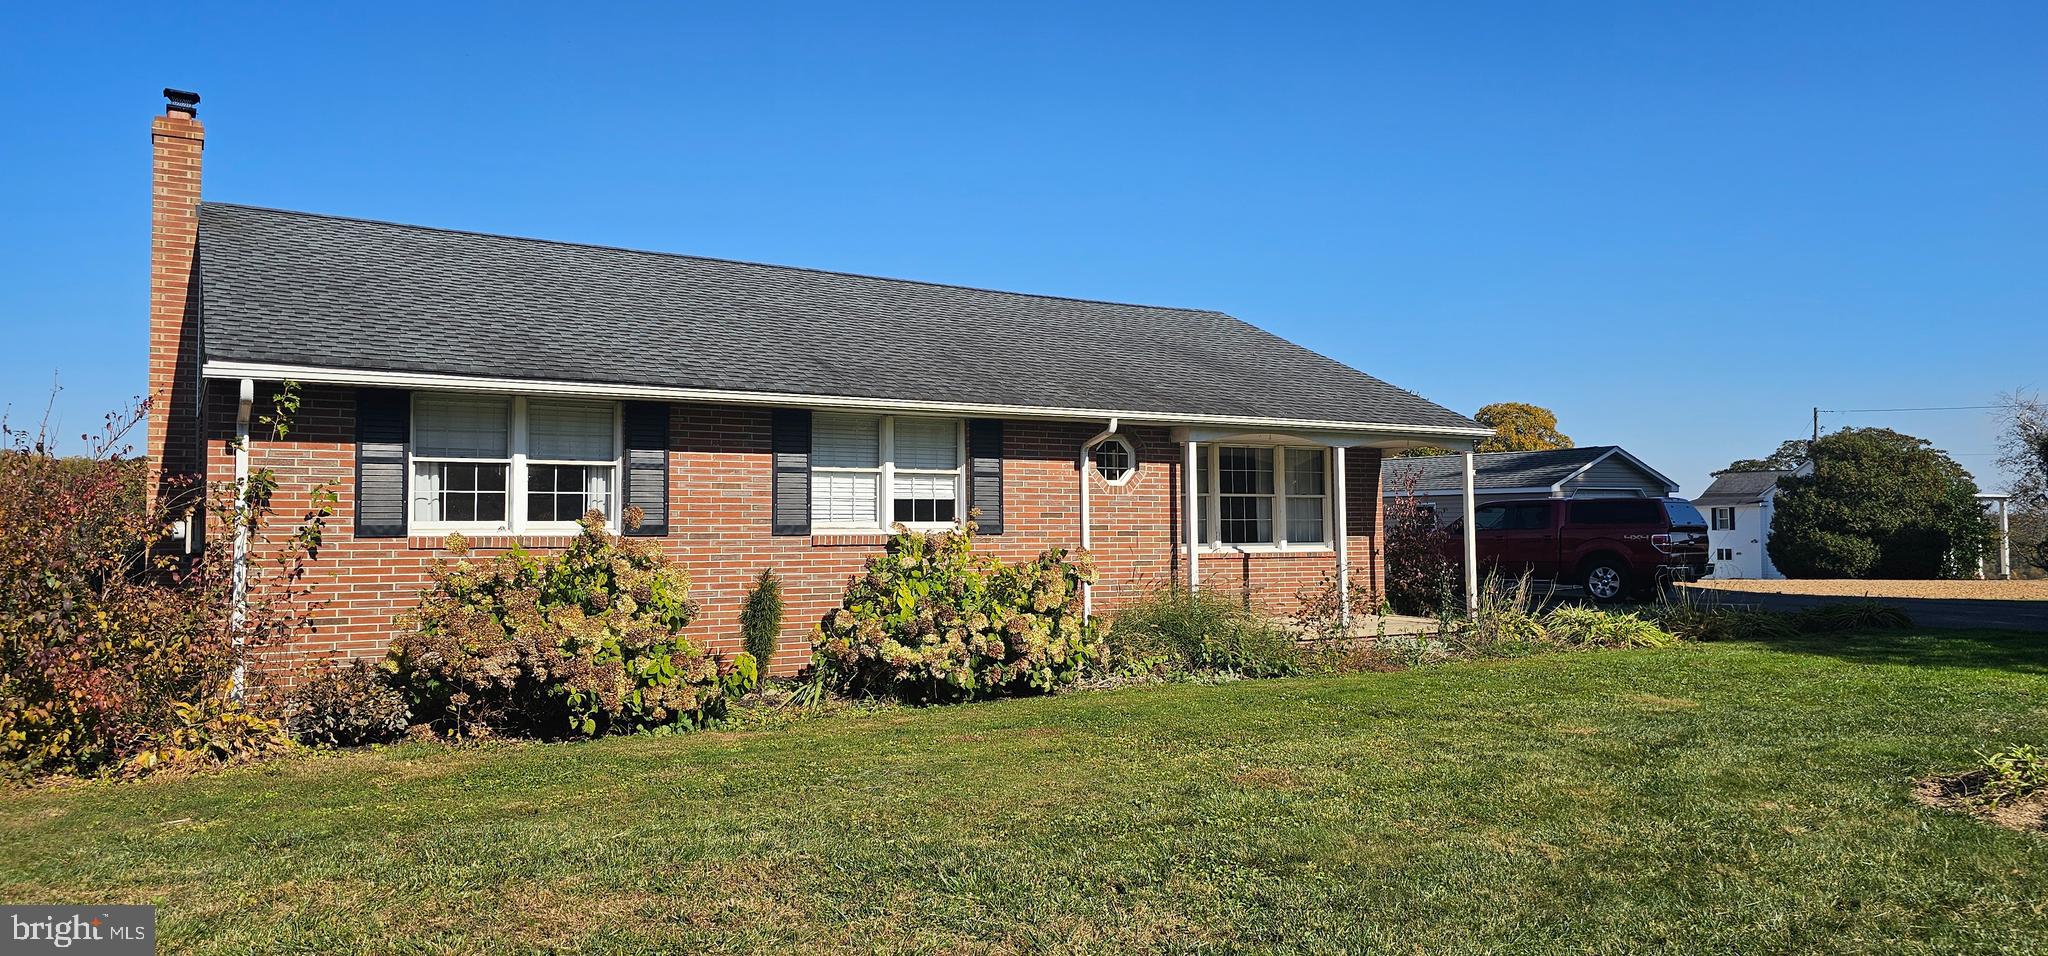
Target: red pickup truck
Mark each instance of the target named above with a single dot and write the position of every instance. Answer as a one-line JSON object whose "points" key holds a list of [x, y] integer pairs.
{"points": [[1613, 548]]}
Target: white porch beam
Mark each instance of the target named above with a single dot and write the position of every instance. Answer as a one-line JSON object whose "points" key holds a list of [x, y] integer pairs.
{"points": [[1471, 543], [2004, 541]]}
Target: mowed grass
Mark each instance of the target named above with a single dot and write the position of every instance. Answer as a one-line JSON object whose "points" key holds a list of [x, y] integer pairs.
{"points": [[1716, 798]]}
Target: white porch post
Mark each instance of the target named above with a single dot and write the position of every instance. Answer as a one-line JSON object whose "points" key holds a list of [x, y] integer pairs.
{"points": [[1343, 546], [2004, 541], [1191, 517], [1471, 543]]}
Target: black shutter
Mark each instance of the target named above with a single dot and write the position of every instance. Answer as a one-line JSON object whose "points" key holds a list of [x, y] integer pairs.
{"points": [[383, 429], [985, 472], [644, 426], [791, 448]]}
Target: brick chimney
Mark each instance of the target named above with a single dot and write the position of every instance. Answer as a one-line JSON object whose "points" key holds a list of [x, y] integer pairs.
{"points": [[178, 137]]}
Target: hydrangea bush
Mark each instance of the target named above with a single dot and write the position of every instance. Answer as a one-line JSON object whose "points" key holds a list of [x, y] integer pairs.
{"points": [[585, 643], [932, 620]]}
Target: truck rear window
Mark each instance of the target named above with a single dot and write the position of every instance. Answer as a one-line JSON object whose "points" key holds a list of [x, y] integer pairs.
{"points": [[1684, 515], [1611, 511]]}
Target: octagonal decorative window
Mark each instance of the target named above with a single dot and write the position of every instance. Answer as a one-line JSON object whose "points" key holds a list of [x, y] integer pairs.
{"points": [[1115, 461]]}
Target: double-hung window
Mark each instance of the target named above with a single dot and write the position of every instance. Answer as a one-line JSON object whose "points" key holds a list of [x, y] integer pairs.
{"points": [[1724, 519], [462, 460], [511, 464], [1264, 496], [872, 471]]}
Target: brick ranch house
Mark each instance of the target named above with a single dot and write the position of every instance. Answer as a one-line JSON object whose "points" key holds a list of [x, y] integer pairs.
{"points": [[761, 416]]}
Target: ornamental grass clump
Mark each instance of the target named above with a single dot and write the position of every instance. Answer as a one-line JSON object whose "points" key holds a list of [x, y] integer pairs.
{"points": [[1198, 630], [933, 621], [582, 644]]}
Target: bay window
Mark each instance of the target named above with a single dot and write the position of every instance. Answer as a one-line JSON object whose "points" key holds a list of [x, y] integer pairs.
{"points": [[1263, 496], [511, 464], [872, 471]]}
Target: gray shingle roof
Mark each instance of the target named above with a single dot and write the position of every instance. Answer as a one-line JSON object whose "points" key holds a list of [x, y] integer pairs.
{"points": [[317, 291], [1739, 487], [1494, 469]]}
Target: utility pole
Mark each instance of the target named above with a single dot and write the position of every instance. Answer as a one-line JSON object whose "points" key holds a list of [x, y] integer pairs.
{"points": [[1816, 423]]}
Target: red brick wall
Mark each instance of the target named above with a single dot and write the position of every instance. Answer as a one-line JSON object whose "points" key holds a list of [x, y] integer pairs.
{"points": [[173, 330], [719, 493]]}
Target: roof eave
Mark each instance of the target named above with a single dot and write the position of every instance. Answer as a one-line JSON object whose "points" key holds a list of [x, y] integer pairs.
{"points": [[220, 369]]}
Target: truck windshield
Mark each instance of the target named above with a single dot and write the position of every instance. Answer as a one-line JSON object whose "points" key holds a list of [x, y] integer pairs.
{"points": [[1684, 515]]}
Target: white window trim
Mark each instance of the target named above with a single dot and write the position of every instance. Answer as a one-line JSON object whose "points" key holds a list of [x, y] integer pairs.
{"points": [[1212, 532], [515, 522], [885, 497], [1129, 452]]}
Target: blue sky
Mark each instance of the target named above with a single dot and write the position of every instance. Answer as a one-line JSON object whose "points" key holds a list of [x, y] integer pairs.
{"points": [[1679, 226]]}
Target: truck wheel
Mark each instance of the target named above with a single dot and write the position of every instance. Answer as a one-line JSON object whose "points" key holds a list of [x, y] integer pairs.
{"points": [[1606, 580]]}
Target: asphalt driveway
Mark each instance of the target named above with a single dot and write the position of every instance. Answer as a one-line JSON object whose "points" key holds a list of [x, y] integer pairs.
{"points": [[1930, 612]]}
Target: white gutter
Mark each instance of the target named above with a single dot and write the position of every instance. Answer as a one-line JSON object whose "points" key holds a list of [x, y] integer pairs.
{"points": [[238, 598], [1082, 467], [338, 376]]}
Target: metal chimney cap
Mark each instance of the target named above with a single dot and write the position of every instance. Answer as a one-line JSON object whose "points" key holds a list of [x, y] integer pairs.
{"points": [[181, 101]]}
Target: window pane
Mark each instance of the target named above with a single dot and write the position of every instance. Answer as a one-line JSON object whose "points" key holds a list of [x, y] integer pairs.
{"points": [[571, 431], [1304, 473], [930, 443], [1490, 518], [1247, 520], [1245, 471], [924, 498], [461, 427], [1304, 519], [842, 498], [1112, 460], [490, 506], [846, 441]]}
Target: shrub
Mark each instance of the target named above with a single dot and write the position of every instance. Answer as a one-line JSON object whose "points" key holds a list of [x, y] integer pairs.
{"points": [[761, 617], [2009, 775], [1420, 572], [932, 620], [1591, 627], [1850, 616], [1204, 630], [114, 652], [585, 643], [214, 730], [346, 706]]}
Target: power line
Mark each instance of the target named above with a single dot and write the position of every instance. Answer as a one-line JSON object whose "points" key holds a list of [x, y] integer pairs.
{"points": [[1926, 408]]}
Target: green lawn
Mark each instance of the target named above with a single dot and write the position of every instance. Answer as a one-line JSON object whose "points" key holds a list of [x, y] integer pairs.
{"points": [[1717, 798]]}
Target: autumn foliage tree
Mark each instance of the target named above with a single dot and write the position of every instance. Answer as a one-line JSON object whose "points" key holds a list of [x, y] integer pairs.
{"points": [[1517, 426]]}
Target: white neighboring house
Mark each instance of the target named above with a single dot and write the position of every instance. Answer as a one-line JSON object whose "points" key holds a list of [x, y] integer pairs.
{"points": [[1738, 506]]}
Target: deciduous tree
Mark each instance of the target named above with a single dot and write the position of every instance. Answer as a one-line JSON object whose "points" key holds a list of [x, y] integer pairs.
{"points": [[1878, 504]]}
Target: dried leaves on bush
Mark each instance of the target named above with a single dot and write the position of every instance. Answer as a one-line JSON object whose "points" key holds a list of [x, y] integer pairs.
{"points": [[932, 620], [585, 643]]}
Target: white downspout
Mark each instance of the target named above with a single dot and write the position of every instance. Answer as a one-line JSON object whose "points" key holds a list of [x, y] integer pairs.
{"points": [[1343, 547], [1471, 544], [239, 575], [1190, 516], [1081, 467]]}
